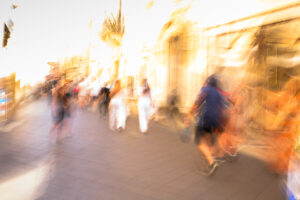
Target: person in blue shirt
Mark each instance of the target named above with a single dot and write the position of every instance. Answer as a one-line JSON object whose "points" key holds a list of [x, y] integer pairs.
{"points": [[208, 108]]}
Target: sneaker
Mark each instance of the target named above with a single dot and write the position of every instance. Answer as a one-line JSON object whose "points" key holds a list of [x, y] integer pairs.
{"points": [[120, 129], [212, 168], [220, 159], [231, 157], [233, 154]]}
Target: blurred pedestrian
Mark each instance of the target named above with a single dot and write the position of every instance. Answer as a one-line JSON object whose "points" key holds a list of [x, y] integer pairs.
{"points": [[104, 100], [67, 103], [57, 108], [282, 125], [95, 88], [75, 92], [61, 108], [145, 106], [117, 108], [173, 101], [83, 93], [208, 108], [234, 120]]}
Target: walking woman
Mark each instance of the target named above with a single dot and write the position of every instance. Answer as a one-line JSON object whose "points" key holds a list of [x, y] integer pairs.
{"points": [[117, 108], [145, 107]]}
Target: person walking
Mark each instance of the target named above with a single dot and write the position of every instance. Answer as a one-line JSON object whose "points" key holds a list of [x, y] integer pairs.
{"points": [[145, 107], [117, 108], [104, 100], [57, 108], [208, 109]]}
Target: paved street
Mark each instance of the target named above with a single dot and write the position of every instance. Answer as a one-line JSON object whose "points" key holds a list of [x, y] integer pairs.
{"points": [[96, 163]]}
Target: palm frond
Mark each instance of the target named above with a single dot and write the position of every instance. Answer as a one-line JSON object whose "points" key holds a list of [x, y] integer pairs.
{"points": [[113, 29]]}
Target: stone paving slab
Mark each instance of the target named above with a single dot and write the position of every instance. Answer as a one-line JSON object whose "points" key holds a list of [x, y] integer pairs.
{"points": [[96, 163]]}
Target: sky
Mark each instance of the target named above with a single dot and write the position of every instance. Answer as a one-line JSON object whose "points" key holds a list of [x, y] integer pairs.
{"points": [[50, 30]]}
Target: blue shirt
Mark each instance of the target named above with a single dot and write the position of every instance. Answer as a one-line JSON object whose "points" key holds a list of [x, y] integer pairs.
{"points": [[212, 105]]}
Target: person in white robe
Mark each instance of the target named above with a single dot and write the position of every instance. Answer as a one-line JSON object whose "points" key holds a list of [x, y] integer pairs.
{"points": [[117, 108], [145, 107]]}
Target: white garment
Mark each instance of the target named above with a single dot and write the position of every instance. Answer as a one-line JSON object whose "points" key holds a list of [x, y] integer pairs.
{"points": [[117, 111], [95, 89], [145, 110], [83, 89]]}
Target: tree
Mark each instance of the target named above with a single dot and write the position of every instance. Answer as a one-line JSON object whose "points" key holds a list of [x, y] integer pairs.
{"points": [[113, 29], [8, 26], [6, 35]]}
